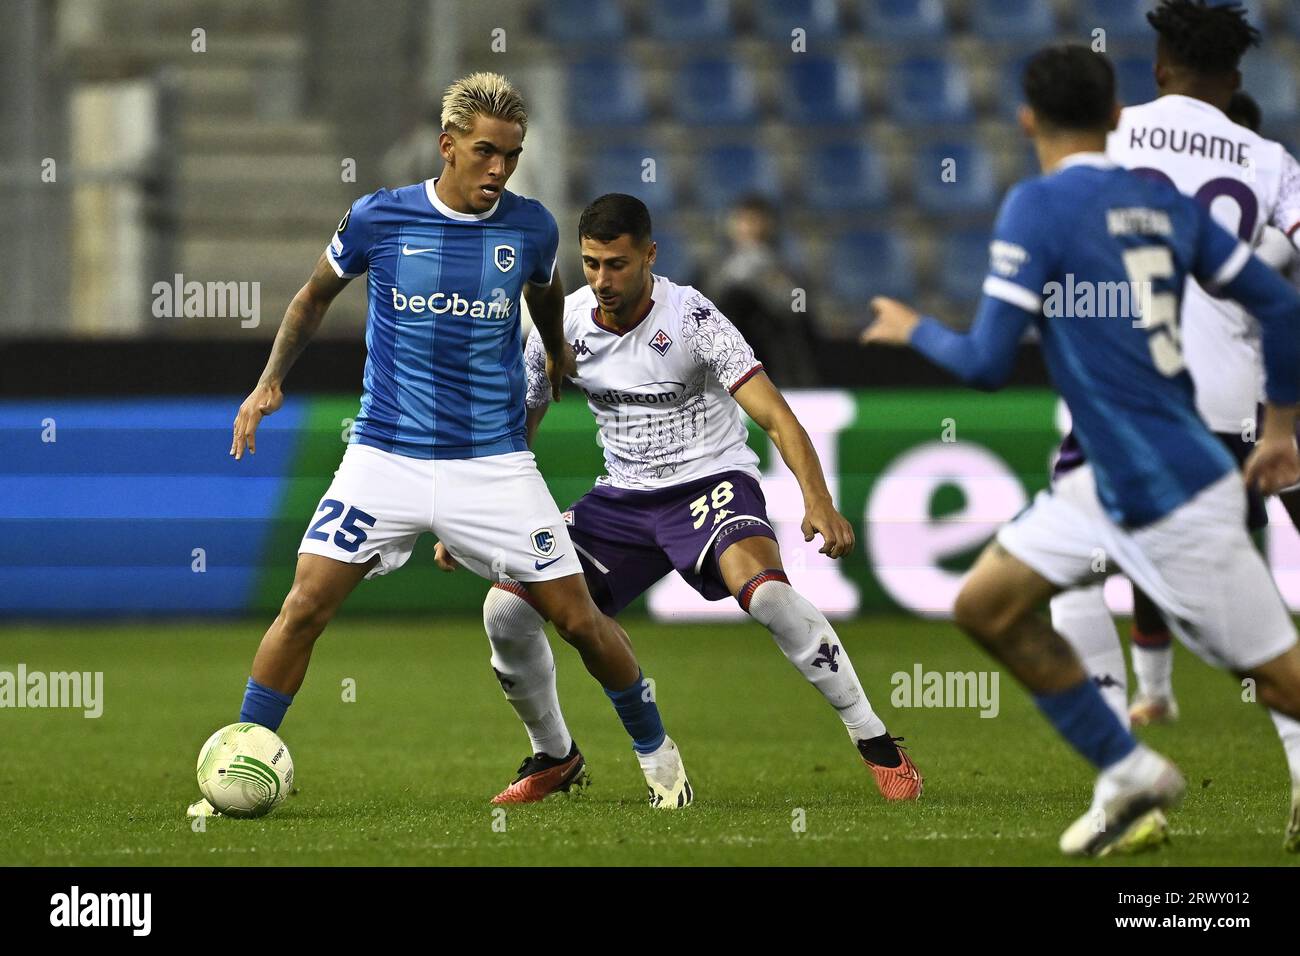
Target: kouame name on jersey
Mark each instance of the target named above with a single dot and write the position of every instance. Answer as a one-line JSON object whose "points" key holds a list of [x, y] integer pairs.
{"points": [[1246, 182], [444, 373], [661, 390]]}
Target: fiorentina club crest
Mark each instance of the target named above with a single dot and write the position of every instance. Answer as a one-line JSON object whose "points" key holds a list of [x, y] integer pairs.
{"points": [[661, 343]]}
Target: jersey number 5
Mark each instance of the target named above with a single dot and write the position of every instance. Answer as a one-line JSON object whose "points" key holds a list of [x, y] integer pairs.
{"points": [[1145, 265]]}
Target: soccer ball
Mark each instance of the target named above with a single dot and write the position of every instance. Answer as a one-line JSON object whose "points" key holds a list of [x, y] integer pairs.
{"points": [[245, 770]]}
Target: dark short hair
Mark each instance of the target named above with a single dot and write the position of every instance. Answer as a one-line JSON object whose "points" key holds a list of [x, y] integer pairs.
{"points": [[1244, 111], [1069, 86], [614, 215], [1206, 38]]}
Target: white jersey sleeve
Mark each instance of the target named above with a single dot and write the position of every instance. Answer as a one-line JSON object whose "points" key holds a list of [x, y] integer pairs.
{"points": [[1286, 215], [716, 344]]}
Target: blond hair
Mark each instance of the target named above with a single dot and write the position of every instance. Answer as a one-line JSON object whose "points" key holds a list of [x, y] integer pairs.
{"points": [[482, 94]]}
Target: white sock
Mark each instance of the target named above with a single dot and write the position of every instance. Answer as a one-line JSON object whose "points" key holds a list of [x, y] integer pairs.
{"points": [[1081, 617], [1288, 728], [1154, 667], [1139, 768], [809, 642], [521, 657]]}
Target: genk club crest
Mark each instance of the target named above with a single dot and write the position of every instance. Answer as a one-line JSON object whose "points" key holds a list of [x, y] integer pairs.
{"points": [[504, 257], [544, 542]]}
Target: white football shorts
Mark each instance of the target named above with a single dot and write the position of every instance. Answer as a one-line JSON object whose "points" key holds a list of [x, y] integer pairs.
{"points": [[1197, 564], [494, 514]]}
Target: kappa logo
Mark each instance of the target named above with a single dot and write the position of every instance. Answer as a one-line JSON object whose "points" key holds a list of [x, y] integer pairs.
{"points": [[504, 257], [661, 343], [580, 347], [544, 542]]}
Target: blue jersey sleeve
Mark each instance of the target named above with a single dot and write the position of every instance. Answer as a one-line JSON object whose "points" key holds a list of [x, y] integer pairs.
{"points": [[1225, 265], [983, 357], [1022, 255], [349, 250], [548, 247], [1219, 255], [1276, 306], [1021, 261]]}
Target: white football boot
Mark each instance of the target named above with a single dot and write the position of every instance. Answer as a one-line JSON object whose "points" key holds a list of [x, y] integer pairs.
{"points": [[665, 776], [1152, 709], [1124, 796], [202, 809]]}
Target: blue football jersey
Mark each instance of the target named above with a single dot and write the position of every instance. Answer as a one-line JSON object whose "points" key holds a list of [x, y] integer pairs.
{"points": [[1097, 258], [444, 374]]}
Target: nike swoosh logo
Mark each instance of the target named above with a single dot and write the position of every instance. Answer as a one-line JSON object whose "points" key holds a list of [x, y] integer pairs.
{"points": [[408, 251], [542, 567]]}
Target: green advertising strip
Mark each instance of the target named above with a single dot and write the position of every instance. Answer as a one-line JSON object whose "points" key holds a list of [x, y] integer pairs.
{"points": [[938, 469]]}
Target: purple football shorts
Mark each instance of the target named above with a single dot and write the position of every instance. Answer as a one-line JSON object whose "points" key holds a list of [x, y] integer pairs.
{"points": [[628, 540]]}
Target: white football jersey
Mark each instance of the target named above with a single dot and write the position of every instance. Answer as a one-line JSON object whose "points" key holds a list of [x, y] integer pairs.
{"points": [[661, 391], [1247, 182]]}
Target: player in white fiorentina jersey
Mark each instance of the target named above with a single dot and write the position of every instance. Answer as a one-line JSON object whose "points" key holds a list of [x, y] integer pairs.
{"points": [[666, 376]]}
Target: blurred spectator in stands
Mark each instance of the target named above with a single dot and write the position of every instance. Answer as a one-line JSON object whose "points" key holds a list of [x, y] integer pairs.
{"points": [[753, 286], [414, 158]]}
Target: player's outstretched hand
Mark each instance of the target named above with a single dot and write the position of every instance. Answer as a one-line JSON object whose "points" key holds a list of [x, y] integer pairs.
{"points": [[836, 532], [892, 325], [264, 400], [557, 372], [443, 559], [1273, 465]]}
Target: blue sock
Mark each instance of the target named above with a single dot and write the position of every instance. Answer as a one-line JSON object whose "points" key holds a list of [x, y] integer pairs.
{"points": [[640, 715], [264, 706], [1081, 716]]}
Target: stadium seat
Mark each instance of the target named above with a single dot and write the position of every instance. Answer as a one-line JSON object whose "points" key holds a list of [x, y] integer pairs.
{"points": [[623, 169], [673, 256], [690, 21], [904, 19], [1010, 92], [868, 263], [1271, 80], [589, 22], [963, 263], [930, 90], [973, 186], [606, 92], [1136, 80], [818, 18], [712, 92], [845, 177], [1121, 19], [726, 173], [821, 91], [1013, 20]]}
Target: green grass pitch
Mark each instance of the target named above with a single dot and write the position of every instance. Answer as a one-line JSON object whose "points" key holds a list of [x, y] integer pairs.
{"points": [[403, 775]]}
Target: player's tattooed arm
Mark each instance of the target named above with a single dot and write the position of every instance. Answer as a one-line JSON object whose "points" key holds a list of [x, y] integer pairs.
{"points": [[769, 409], [546, 306], [300, 322]]}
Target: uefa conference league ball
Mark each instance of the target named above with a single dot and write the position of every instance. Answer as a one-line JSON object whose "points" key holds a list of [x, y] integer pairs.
{"points": [[245, 770]]}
